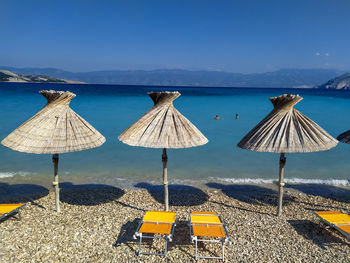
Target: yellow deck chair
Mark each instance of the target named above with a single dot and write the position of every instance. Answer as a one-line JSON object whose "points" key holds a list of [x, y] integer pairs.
{"points": [[7, 210], [209, 225], [156, 223], [335, 219]]}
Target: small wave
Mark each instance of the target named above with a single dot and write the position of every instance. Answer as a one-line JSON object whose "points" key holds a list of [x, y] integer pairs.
{"points": [[335, 182], [12, 174]]}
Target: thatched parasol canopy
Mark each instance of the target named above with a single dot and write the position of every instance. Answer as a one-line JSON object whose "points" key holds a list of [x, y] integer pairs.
{"points": [[286, 130], [163, 127], [54, 129], [344, 137]]}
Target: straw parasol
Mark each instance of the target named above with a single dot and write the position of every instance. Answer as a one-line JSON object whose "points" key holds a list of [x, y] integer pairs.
{"points": [[344, 137], [286, 130], [163, 127], [55, 129]]}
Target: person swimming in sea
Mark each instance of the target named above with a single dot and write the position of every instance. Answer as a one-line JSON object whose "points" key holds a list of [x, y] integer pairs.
{"points": [[237, 116], [217, 117]]}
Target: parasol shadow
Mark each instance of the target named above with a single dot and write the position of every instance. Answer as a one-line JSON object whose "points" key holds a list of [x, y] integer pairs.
{"points": [[89, 194], [21, 193], [180, 195], [327, 191], [252, 194]]}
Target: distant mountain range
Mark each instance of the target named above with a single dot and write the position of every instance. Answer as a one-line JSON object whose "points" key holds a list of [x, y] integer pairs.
{"points": [[8, 76], [284, 78], [341, 82]]}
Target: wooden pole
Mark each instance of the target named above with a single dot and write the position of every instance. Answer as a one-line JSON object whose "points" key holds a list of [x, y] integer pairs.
{"points": [[55, 182], [165, 179], [281, 184]]}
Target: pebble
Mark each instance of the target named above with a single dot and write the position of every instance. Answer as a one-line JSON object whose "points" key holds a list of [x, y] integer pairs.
{"points": [[102, 231]]}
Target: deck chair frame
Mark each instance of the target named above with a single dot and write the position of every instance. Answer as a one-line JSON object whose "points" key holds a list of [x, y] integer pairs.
{"points": [[12, 213], [195, 239], [341, 231], [335, 226], [166, 238]]}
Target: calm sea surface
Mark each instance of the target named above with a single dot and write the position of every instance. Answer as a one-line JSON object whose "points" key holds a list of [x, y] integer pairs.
{"points": [[111, 109]]}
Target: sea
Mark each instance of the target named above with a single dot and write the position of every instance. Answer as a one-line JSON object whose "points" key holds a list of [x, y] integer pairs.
{"points": [[113, 108]]}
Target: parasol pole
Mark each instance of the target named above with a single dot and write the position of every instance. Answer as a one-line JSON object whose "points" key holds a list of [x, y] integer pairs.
{"points": [[165, 179], [55, 182], [281, 184]]}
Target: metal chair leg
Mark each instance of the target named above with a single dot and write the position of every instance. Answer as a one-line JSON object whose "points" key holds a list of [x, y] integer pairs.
{"points": [[196, 250], [140, 245], [166, 247], [223, 251], [164, 252]]}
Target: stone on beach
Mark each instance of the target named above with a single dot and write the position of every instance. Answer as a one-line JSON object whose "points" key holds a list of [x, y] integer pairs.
{"points": [[102, 232]]}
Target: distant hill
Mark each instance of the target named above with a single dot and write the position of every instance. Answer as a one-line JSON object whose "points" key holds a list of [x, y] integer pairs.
{"points": [[8, 76], [341, 82], [284, 78]]}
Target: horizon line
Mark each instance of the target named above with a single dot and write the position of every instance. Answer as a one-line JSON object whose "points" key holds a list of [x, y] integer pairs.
{"points": [[172, 69]]}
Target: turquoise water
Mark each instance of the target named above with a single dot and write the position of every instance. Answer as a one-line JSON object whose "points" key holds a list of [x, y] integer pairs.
{"points": [[111, 109]]}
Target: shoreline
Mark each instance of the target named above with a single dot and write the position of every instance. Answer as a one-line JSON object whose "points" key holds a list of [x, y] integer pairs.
{"points": [[330, 186], [96, 225]]}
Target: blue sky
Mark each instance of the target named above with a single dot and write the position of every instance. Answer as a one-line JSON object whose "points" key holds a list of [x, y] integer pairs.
{"points": [[238, 36]]}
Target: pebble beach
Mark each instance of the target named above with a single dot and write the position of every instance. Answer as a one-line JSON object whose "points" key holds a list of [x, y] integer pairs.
{"points": [[97, 225]]}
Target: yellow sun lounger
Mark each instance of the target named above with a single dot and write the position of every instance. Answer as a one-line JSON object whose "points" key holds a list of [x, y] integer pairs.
{"points": [[10, 210], [156, 223], [209, 225], [335, 219]]}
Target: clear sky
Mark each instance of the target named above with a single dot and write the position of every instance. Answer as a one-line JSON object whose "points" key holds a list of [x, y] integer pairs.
{"points": [[238, 36]]}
